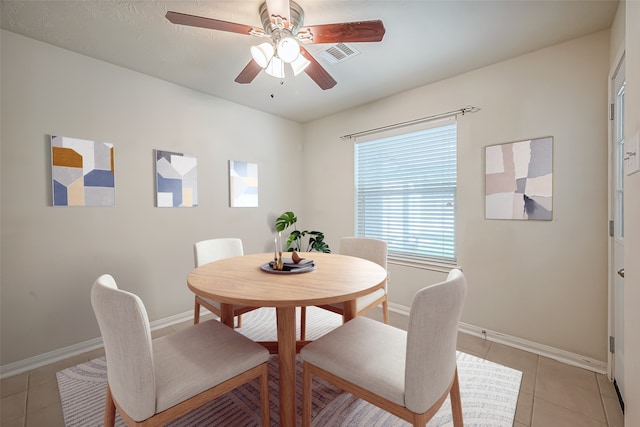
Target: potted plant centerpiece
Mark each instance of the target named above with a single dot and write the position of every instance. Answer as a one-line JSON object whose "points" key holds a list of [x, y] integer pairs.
{"points": [[301, 241]]}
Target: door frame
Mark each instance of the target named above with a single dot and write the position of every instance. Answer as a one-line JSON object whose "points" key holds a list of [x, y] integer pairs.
{"points": [[612, 272]]}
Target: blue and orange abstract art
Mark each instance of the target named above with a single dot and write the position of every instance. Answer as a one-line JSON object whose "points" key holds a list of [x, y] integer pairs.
{"points": [[82, 172]]}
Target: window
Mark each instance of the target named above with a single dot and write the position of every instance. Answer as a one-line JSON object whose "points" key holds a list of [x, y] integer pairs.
{"points": [[406, 193]]}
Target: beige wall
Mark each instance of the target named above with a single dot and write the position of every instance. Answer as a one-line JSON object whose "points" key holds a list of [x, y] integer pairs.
{"points": [[541, 281], [632, 222], [544, 282], [51, 256]]}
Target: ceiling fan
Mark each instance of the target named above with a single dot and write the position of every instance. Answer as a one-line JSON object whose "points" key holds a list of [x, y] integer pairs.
{"points": [[282, 22]]}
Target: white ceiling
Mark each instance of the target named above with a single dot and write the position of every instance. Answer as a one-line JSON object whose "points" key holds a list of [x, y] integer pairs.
{"points": [[425, 41]]}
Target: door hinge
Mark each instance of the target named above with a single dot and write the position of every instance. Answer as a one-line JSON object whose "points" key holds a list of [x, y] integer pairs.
{"points": [[612, 344], [611, 111], [611, 228]]}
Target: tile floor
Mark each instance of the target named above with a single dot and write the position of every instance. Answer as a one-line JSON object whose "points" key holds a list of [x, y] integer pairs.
{"points": [[552, 394]]}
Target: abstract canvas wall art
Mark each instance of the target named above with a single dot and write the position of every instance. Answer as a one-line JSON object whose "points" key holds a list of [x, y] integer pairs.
{"points": [[519, 180], [82, 172], [243, 184], [176, 179]]}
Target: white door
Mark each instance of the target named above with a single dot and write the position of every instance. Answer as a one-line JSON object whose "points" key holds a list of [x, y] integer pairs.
{"points": [[617, 261]]}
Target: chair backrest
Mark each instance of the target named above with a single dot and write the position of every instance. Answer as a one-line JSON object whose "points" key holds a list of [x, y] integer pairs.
{"points": [[431, 341], [364, 247], [211, 250], [126, 335]]}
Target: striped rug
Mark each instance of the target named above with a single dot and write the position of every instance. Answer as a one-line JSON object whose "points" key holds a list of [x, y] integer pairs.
{"points": [[489, 391]]}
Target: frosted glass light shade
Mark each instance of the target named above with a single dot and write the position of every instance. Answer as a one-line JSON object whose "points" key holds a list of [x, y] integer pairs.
{"points": [[288, 49], [262, 54], [299, 64], [275, 68]]}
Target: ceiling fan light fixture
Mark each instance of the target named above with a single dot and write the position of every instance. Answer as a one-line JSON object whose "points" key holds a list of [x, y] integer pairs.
{"points": [[299, 64], [288, 49], [262, 54], [275, 68]]}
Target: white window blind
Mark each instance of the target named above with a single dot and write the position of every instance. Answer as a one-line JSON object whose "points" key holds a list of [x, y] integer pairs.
{"points": [[406, 193]]}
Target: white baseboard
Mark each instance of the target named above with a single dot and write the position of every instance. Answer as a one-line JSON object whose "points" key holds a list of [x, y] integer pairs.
{"points": [[522, 344], [25, 365]]}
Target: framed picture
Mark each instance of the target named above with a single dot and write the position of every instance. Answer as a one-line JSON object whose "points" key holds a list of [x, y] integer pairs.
{"points": [[176, 179], [82, 172], [519, 180], [243, 184]]}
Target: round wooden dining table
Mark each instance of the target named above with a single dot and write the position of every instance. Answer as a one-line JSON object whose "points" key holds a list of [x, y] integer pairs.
{"points": [[241, 281]]}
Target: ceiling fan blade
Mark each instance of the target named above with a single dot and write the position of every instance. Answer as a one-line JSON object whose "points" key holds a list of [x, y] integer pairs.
{"points": [[248, 73], [347, 32], [317, 72], [280, 8], [212, 24]]}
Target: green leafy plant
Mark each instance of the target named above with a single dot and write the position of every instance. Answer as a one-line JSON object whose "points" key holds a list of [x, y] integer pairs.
{"points": [[296, 240]]}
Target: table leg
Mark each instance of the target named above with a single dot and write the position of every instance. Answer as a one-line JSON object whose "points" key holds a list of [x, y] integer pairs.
{"points": [[286, 321], [226, 314], [350, 311]]}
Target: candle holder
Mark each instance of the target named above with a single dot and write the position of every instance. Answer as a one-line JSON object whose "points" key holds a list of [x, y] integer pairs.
{"points": [[277, 253]]}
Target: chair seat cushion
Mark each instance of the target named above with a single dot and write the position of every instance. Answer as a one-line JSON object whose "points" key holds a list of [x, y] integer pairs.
{"points": [[364, 301], [199, 357], [377, 363]]}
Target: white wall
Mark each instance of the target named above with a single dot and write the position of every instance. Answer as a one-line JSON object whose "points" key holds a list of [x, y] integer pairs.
{"points": [[544, 282], [632, 222], [51, 256]]}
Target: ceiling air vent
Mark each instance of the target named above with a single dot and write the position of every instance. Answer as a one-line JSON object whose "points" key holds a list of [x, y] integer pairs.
{"points": [[338, 53]]}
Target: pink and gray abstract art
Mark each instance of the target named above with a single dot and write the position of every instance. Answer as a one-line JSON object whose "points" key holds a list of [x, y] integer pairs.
{"points": [[519, 180]]}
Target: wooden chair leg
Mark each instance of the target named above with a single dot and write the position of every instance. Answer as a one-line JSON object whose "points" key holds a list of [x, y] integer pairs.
{"points": [[306, 395], [239, 320], [264, 397], [303, 323], [385, 310], [196, 313], [456, 403], [109, 409]]}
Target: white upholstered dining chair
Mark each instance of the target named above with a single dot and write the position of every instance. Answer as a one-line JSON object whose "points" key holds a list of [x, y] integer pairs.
{"points": [[374, 250], [409, 374], [152, 382], [210, 250]]}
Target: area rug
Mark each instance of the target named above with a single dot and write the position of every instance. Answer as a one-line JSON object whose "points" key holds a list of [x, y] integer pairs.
{"points": [[489, 391]]}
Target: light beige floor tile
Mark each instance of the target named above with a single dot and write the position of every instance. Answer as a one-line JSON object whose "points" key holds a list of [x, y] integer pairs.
{"points": [[613, 411], [184, 325], [546, 414], [570, 396], [568, 374], [50, 416], [523, 361], [473, 345], [606, 387], [12, 407], [519, 424], [162, 332], [15, 423], [524, 408], [398, 320], [94, 354], [14, 384], [395, 319], [47, 373], [42, 396]]}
